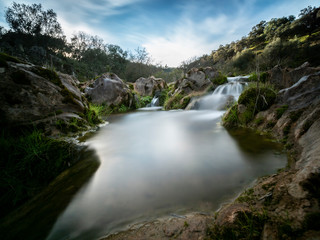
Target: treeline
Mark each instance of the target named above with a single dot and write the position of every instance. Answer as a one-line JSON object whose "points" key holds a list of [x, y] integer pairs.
{"points": [[36, 36], [285, 41]]}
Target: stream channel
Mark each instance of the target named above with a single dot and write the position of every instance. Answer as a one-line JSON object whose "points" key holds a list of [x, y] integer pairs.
{"points": [[165, 163]]}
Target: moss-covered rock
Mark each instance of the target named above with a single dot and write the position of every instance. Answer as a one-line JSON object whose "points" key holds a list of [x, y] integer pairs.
{"points": [[177, 101], [48, 74], [253, 100]]}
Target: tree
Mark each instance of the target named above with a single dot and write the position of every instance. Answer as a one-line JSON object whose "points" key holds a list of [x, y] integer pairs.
{"points": [[275, 26], [31, 19], [141, 56], [117, 59], [80, 42], [310, 19]]}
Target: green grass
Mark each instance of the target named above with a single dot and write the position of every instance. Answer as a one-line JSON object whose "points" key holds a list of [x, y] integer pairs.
{"points": [[246, 196], [247, 226], [93, 114], [29, 162], [231, 118]]}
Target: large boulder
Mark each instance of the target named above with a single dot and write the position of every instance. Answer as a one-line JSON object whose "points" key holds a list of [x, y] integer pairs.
{"points": [[31, 95], [109, 89], [196, 80], [149, 86], [284, 78]]}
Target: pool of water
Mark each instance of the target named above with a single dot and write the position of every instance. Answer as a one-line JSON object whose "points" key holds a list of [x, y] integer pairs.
{"points": [[160, 163]]}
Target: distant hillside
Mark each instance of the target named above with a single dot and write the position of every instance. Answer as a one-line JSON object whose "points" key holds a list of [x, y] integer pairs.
{"points": [[285, 41]]}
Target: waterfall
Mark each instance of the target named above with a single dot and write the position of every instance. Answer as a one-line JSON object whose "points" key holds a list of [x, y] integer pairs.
{"points": [[222, 96], [154, 102], [154, 105]]}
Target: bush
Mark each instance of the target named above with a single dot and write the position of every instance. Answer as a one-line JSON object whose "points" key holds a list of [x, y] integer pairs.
{"points": [[254, 100], [163, 97], [254, 77], [219, 80], [261, 99]]}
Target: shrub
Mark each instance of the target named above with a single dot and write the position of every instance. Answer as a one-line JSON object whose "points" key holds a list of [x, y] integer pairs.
{"points": [[144, 101], [163, 97], [254, 77], [219, 80], [255, 100], [261, 99]]}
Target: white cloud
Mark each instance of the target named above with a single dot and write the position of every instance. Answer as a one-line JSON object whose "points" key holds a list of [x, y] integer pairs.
{"points": [[189, 38], [183, 42], [195, 38], [70, 28]]}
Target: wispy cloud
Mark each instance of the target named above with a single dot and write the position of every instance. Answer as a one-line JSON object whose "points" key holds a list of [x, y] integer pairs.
{"points": [[190, 37]]}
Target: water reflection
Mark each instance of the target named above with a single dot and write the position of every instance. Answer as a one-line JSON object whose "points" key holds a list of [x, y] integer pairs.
{"points": [[157, 163]]}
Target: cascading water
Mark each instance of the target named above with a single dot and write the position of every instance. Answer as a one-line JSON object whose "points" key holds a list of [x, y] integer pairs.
{"points": [[154, 102], [223, 95]]}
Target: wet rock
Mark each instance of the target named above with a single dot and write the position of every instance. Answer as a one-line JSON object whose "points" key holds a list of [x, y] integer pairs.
{"points": [[149, 86]]}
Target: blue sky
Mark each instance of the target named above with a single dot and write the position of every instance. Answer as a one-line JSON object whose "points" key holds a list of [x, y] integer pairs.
{"points": [[171, 30]]}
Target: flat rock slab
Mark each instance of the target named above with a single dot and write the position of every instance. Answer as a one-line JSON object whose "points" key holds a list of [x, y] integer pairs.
{"points": [[191, 226]]}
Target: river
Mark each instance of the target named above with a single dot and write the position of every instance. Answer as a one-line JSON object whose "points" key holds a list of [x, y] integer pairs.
{"points": [[164, 163]]}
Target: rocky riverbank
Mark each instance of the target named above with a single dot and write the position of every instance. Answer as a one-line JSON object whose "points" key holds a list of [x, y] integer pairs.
{"points": [[284, 205]]}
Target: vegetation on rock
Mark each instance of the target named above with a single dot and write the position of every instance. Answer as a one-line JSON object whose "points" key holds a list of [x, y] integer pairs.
{"points": [[29, 162], [254, 99]]}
